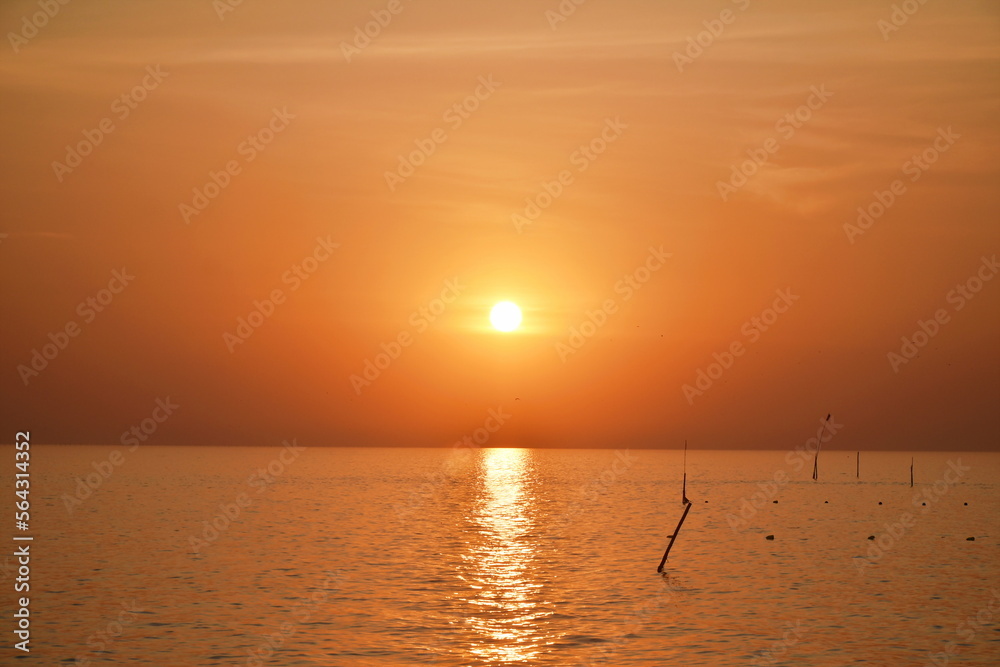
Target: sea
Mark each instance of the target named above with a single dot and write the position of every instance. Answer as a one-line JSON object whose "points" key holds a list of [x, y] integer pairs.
{"points": [[307, 555]]}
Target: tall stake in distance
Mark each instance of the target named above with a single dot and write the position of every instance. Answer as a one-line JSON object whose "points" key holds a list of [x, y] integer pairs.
{"points": [[687, 508], [816, 458], [684, 484]]}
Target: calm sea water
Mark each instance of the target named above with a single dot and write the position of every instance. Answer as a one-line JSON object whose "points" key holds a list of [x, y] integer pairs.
{"points": [[186, 556]]}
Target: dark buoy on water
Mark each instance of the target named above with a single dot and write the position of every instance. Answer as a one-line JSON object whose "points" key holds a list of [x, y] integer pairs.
{"points": [[970, 539], [769, 537], [826, 502], [775, 502], [966, 504], [880, 502], [871, 537]]}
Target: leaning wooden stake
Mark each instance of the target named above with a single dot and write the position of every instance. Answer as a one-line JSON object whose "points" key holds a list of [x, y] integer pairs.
{"points": [[911, 472], [687, 508], [816, 458], [684, 484], [857, 473]]}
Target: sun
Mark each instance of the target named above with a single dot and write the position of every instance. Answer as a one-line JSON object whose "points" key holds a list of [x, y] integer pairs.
{"points": [[505, 316]]}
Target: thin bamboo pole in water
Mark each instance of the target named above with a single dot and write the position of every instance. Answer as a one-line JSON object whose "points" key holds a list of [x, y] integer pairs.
{"points": [[687, 508], [819, 445], [684, 484]]}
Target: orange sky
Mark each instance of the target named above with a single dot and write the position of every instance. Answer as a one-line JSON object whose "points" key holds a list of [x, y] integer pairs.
{"points": [[664, 123]]}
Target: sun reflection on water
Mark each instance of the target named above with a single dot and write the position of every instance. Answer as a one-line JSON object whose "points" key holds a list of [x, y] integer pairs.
{"points": [[500, 562]]}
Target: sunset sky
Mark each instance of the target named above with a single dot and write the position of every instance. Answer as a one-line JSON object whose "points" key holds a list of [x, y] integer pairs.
{"points": [[235, 154]]}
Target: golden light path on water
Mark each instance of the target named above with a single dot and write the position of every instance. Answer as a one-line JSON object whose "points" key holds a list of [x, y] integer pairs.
{"points": [[500, 563]]}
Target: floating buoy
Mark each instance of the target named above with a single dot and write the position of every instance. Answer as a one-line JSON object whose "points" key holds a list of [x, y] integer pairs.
{"points": [[775, 502], [966, 504], [770, 537], [880, 502], [970, 539], [826, 502], [871, 537], [924, 504]]}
